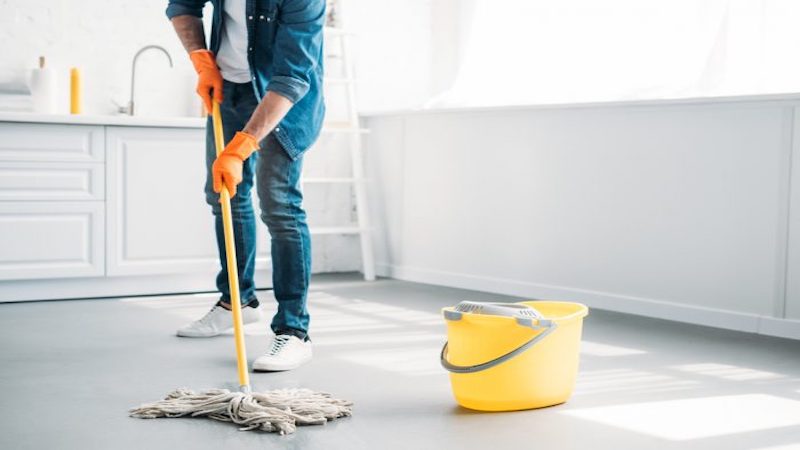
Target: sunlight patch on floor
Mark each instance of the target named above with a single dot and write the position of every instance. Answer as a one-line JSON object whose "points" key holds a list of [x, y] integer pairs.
{"points": [[697, 418], [171, 301], [728, 372], [389, 311], [338, 321], [323, 298], [598, 349], [324, 321], [384, 339], [187, 307], [315, 330], [627, 380], [414, 362], [331, 313]]}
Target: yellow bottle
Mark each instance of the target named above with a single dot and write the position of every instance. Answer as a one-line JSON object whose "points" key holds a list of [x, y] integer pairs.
{"points": [[74, 91]]}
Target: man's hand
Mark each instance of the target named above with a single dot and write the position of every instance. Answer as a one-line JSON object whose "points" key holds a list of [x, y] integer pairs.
{"points": [[227, 168], [209, 79], [189, 29]]}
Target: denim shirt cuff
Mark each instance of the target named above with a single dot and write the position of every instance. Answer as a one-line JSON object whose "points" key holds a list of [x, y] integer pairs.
{"points": [[175, 9], [292, 88]]}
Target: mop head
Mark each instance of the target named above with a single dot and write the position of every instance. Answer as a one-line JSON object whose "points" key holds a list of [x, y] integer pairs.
{"points": [[279, 411]]}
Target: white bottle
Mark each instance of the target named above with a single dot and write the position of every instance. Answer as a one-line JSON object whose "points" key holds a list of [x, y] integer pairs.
{"points": [[43, 89]]}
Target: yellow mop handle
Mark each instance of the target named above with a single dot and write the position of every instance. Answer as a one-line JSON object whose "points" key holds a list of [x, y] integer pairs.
{"points": [[230, 255]]}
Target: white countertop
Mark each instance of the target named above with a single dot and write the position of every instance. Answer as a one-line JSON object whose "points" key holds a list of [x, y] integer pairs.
{"points": [[789, 98], [119, 120]]}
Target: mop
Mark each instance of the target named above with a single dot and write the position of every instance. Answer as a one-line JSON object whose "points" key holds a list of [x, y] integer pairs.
{"points": [[280, 410]]}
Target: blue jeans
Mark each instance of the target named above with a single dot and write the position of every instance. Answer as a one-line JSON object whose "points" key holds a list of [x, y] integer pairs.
{"points": [[277, 180]]}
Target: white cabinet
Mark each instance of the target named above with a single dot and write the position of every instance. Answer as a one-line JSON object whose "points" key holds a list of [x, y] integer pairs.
{"points": [[158, 220], [52, 222], [51, 142], [90, 210], [51, 240], [33, 180]]}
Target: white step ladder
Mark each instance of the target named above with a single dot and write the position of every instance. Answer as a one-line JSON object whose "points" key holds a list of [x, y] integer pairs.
{"points": [[352, 128]]}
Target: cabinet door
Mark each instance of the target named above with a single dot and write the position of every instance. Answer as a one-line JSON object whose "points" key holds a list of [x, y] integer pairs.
{"points": [[51, 240], [50, 142], [51, 181], [158, 220]]}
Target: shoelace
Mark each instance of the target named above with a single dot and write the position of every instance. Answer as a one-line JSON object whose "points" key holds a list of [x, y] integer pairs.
{"points": [[278, 344], [208, 315]]}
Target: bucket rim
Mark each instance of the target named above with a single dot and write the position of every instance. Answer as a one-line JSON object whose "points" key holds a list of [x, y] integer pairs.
{"points": [[581, 311]]}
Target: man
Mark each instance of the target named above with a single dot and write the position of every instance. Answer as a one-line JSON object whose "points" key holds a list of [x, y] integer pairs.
{"points": [[264, 66]]}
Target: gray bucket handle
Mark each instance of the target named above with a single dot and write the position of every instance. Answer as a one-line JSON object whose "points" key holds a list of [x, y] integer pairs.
{"points": [[501, 309]]}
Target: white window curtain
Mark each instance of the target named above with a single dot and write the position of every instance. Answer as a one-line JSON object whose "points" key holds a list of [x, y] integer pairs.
{"points": [[514, 52]]}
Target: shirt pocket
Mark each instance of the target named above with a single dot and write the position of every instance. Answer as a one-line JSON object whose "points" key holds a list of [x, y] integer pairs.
{"points": [[267, 13], [266, 21], [266, 28]]}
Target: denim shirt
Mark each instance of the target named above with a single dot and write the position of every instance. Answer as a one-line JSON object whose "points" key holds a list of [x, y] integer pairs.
{"points": [[285, 55]]}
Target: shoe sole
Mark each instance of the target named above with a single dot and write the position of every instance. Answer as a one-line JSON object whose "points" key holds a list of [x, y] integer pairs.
{"points": [[179, 333], [190, 335], [277, 368]]}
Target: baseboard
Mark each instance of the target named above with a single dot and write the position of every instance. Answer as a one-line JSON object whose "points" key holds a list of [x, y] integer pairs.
{"points": [[104, 287], [785, 328], [718, 318]]}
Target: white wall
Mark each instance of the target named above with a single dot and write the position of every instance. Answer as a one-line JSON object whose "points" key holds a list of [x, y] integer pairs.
{"points": [[669, 210], [792, 304], [392, 46], [100, 38]]}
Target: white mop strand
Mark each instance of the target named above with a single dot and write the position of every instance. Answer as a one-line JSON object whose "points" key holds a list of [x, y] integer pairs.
{"points": [[279, 411]]}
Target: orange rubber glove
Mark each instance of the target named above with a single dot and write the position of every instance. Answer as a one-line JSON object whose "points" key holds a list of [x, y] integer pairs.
{"points": [[209, 77], [228, 166]]}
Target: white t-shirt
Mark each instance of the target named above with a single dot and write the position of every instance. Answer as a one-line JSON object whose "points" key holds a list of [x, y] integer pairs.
{"points": [[232, 54]]}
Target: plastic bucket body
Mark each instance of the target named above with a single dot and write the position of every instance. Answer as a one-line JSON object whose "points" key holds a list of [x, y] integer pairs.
{"points": [[541, 374]]}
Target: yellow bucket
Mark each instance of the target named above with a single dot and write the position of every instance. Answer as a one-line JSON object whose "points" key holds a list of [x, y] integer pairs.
{"points": [[512, 356]]}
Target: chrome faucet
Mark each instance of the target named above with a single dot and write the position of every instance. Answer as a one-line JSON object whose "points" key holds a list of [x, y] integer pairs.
{"points": [[129, 108]]}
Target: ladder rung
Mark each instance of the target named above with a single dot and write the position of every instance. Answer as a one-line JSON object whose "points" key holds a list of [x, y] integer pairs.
{"points": [[337, 32], [338, 80], [330, 180], [359, 227], [337, 230], [337, 127]]}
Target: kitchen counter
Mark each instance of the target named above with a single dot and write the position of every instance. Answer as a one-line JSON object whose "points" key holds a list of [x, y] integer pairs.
{"points": [[790, 98], [83, 212], [119, 120]]}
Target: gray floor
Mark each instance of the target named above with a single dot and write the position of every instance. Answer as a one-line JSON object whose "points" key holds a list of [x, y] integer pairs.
{"points": [[69, 371]]}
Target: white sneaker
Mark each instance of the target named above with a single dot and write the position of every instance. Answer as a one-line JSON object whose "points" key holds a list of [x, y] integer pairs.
{"points": [[218, 321], [285, 353]]}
